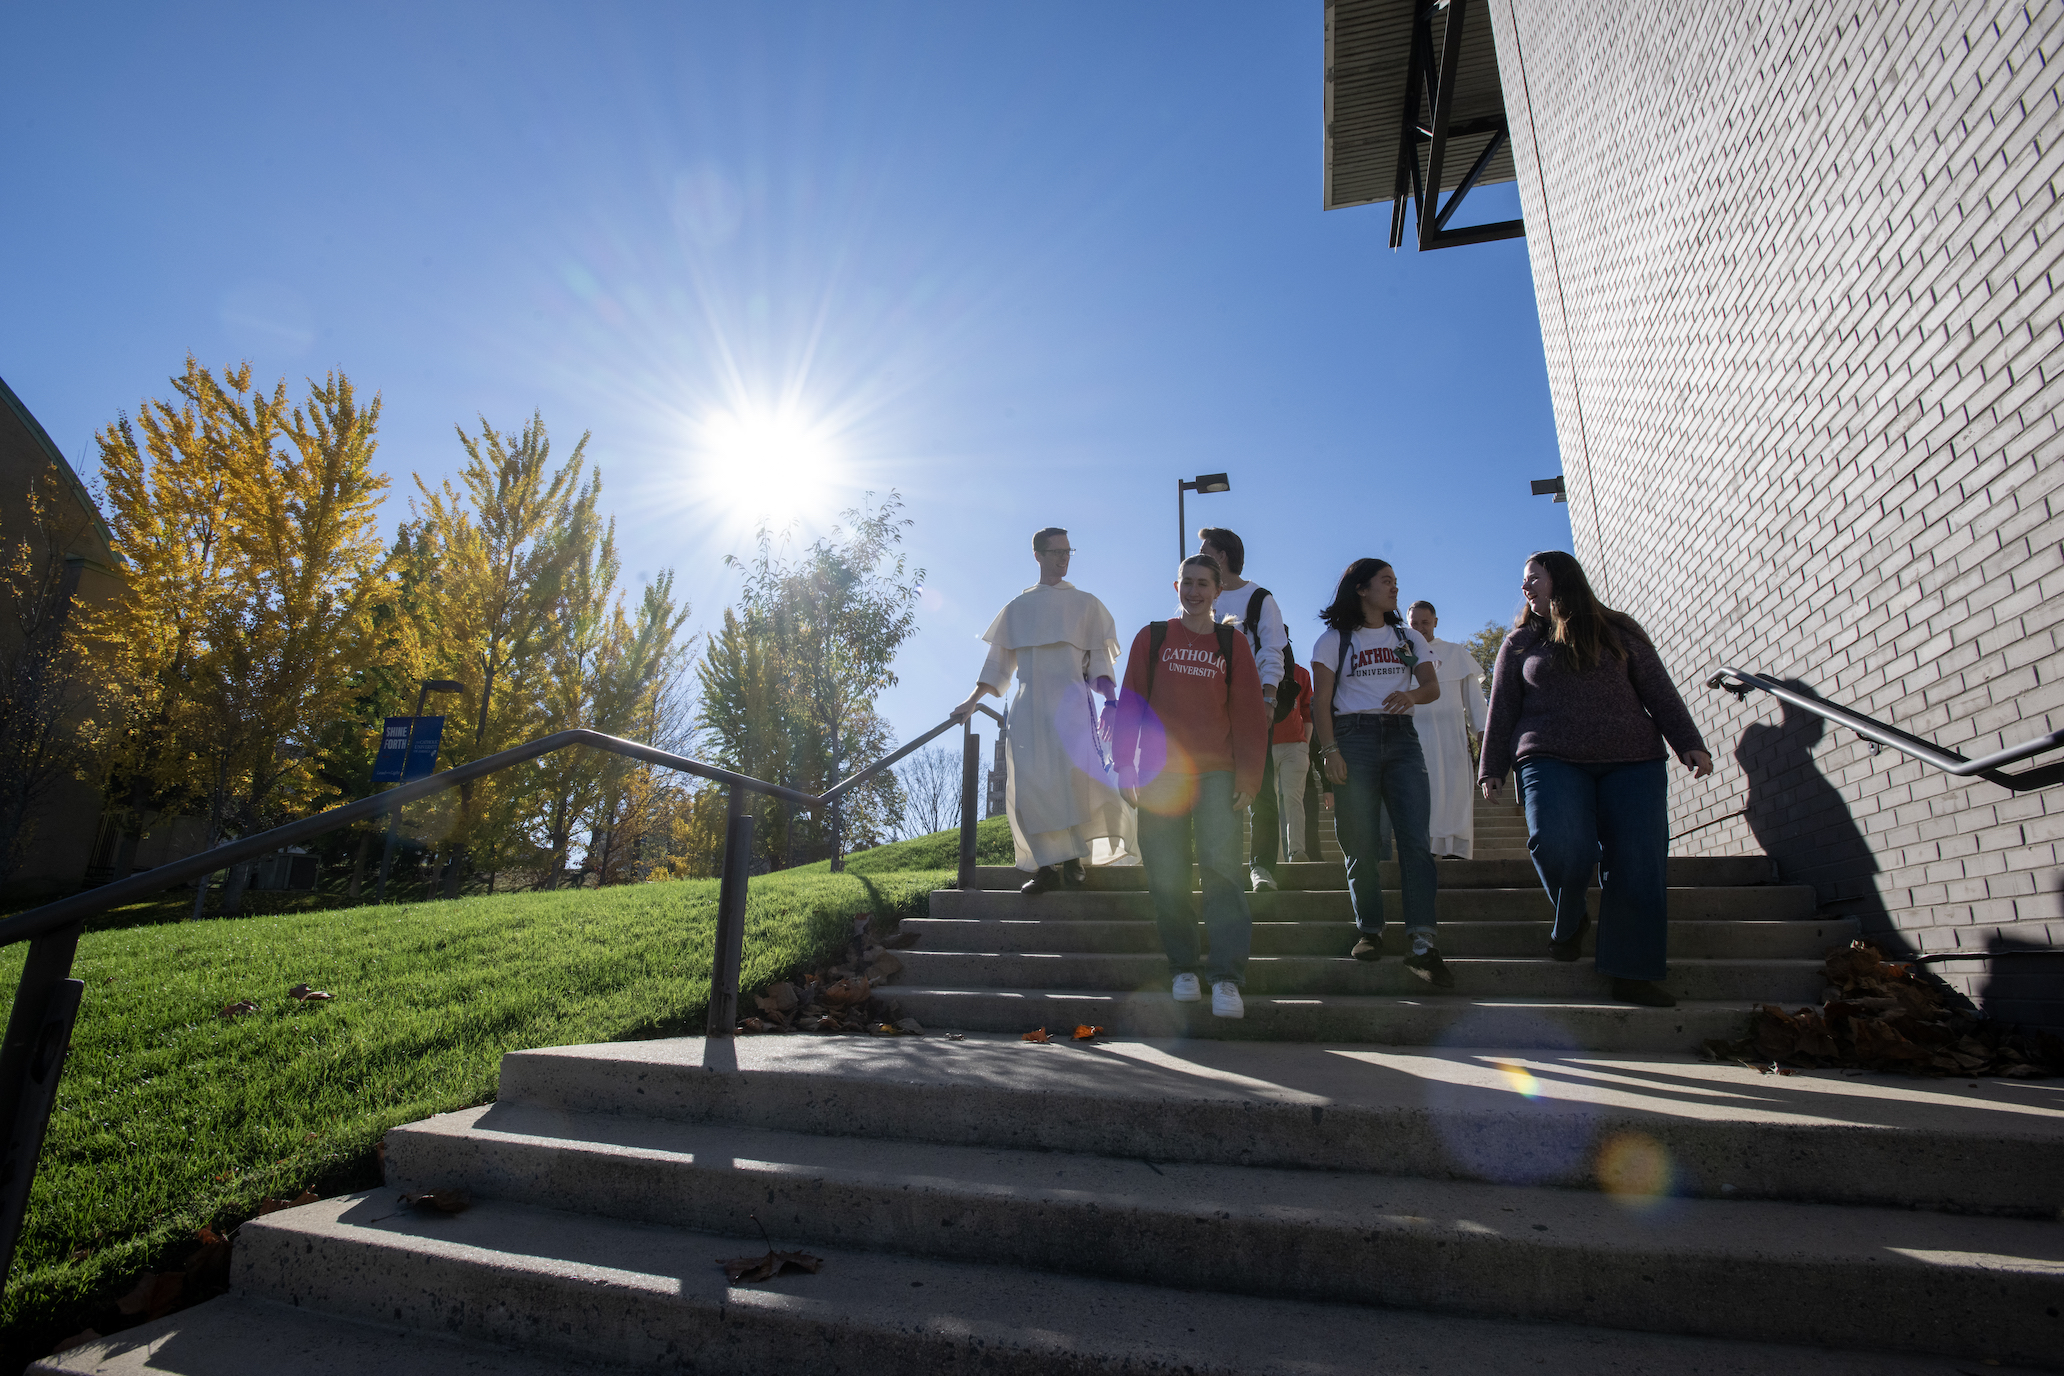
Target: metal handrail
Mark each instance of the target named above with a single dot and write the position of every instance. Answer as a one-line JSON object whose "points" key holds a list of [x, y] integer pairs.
{"points": [[52, 916], [1986, 767], [46, 1002]]}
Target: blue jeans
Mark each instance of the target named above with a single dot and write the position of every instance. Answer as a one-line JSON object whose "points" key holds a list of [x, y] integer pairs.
{"points": [[1165, 853], [1617, 817], [1386, 774]]}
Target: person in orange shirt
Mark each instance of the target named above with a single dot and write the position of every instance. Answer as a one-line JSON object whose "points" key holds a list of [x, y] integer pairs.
{"points": [[1189, 737]]}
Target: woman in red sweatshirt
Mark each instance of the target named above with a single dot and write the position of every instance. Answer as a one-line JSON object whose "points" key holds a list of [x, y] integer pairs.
{"points": [[1189, 736]]}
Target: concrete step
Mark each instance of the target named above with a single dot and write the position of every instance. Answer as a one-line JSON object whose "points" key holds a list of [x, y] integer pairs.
{"points": [[1503, 1116], [1803, 940], [1429, 1019], [516, 1291], [1534, 977], [1686, 871], [1802, 1273], [1757, 903]]}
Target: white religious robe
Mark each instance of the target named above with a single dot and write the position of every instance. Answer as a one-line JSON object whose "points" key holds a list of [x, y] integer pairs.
{"points": [[1448, 766], [1060, 791]]}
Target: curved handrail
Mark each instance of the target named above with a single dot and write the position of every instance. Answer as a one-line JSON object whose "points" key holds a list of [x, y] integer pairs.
{"points": [[53, 916], [1986, 767]]}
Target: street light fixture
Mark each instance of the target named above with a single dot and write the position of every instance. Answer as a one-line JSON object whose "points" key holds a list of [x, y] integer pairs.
{"points": [[1546, 486], [430, 685], [1203, 482]]}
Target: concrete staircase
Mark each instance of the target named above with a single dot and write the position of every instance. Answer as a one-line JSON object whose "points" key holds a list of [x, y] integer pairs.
{"points": [[994, 960], [999, 1207], [1362, 1176]]}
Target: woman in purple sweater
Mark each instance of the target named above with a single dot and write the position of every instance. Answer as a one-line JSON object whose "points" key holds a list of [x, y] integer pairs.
{"points": [[1581, 703]]}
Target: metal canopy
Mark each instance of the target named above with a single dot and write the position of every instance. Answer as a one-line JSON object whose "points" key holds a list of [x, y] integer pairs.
{"points": [[1412, 97]]}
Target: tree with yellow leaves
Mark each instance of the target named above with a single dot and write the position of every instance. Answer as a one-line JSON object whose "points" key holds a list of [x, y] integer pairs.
{"points": [[495, 555], [246, 524]]}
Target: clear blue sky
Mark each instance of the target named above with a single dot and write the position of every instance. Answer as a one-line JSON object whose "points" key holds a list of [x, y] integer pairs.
{"points": [[1025, 264]]}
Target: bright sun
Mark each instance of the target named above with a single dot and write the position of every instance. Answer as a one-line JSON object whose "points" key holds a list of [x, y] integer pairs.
{"points": [[772, 464]]}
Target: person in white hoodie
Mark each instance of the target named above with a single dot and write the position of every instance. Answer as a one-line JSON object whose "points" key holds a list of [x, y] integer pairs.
{"points": [[1253, 609]]}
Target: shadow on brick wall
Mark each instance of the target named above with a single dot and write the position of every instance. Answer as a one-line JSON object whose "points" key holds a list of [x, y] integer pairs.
{"points": [[2022, 984], [2023, 980], [1803, 822]]}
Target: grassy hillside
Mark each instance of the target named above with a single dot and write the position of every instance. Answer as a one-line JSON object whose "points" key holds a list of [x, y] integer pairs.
{"points": [[171, 1116], [939, 851]]}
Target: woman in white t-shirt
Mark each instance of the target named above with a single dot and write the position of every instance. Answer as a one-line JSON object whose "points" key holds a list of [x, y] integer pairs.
{"points": [[1368, 672]]}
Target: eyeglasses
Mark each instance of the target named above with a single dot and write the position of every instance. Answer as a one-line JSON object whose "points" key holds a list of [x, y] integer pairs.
{"points": [[1051, 550]]}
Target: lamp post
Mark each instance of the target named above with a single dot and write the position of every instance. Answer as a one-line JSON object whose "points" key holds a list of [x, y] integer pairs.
{"points": [[1203, 482], [430, 685]]}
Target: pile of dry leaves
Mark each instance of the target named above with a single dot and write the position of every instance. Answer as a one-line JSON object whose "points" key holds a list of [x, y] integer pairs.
{"points": [[1883, 1015], [841, 998], [155, 1294]]}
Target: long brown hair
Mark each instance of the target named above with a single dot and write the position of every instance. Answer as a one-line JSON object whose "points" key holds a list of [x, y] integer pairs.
{"points": [[1582, 629]]}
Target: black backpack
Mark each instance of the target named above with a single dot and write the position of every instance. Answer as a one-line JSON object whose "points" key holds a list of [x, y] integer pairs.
{"points": [[1157, 635], [1286, 703]]}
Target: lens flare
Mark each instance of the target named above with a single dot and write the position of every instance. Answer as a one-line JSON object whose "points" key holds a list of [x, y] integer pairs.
{"points": [[1635, 1169], [1519, 1078]]}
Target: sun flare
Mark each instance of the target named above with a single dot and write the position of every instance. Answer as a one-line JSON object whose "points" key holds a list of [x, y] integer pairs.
{"points": [[773, 464]]}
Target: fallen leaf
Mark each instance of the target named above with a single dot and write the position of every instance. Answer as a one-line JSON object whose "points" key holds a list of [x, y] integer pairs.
{"points": [[79, 1339], [751, 1025], [779, 998], [900, 941], [911, 1027], [885, 1029], [956, 1036], [1083, 1032], [207, 1270], [82, 1254], [749, 1269], [273, 1206], [438, 1201], [746, 1270], [239, 1008], [153, 1295], [1037, 1034], [307, 994], [845, 993]]}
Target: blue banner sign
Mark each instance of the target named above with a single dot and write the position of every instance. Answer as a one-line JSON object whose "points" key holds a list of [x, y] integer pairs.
{"points": [[402, 758], [422, 761], [387, 765]]}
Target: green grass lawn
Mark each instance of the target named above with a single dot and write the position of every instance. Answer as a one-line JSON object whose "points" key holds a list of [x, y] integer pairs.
{"points": [[171, 1116], [938, 851]]}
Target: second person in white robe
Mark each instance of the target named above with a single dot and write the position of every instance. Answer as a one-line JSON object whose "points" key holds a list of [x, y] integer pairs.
{"points": [[1449, 767]]}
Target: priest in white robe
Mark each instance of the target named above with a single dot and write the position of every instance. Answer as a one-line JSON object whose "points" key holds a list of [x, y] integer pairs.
{"points": [[1060, 791], [1442, 737]]}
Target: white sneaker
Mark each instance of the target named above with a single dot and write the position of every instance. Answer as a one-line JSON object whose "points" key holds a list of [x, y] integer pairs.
{"points": [[1225, 1000], [1261, 877], [1187, 990]]}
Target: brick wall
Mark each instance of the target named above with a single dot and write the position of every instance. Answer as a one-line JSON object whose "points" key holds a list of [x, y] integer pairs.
{"points": [[1795, 271]]}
